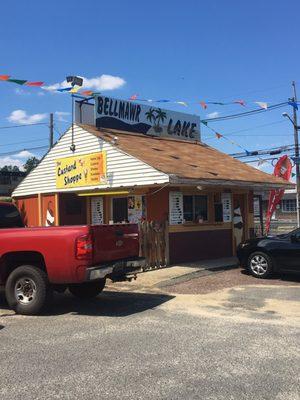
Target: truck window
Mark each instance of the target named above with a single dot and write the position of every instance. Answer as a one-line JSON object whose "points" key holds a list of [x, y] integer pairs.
{"points": [[10, 217]]}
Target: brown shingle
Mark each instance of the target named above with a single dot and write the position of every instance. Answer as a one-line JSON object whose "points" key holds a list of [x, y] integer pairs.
{"points": [[185, 159]]}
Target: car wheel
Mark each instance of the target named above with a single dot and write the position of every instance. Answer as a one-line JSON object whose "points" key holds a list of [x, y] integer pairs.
{"points": [[27, 290], [87, 290], [260, 265]]}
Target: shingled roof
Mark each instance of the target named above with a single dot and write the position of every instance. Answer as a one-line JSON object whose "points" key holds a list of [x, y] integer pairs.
{"points": [[187, 160]]}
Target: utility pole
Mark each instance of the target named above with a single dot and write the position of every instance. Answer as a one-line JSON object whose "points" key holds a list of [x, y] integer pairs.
{"points": [[296, 139], [51, 131]]}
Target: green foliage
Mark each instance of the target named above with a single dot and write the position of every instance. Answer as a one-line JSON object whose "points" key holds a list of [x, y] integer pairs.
{"points": [[30, 164], [10, 168]]}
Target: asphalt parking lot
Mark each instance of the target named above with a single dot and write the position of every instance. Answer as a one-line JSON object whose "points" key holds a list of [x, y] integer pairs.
{"points": [[237, 340]]}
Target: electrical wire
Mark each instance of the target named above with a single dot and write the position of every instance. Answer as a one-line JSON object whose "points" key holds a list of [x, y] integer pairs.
{"points": [[25, 141], [250, 129], [23, 125], [246, 113], [20, 150]]}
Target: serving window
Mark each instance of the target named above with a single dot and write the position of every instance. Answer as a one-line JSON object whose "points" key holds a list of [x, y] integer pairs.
{"points": [[195, 208]]}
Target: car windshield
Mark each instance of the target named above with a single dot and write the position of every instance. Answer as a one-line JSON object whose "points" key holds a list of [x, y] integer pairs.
{"points": [[10, 217], [286, 235]]}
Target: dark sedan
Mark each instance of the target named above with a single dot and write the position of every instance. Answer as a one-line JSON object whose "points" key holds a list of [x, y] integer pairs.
{"points": [[263, 256]]}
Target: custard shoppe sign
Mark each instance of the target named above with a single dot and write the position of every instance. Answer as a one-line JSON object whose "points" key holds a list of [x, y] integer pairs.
{"points": [[148, 120], [83, 170]]}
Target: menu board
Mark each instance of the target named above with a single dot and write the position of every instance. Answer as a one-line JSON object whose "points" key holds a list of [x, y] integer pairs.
{"points": [[227, 207], [175, 208], [97, 210], [135, 209]]}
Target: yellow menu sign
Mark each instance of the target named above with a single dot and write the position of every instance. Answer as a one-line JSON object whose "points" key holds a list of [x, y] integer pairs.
{"points": [[83, 170]]}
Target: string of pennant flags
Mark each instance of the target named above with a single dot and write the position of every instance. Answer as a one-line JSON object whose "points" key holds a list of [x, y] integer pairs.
{"points": [[88, 93], [204, 104]]}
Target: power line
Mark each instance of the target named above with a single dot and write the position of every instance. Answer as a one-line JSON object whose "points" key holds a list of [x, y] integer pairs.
{"points": [[246, 113], [22, 125], [20, 150], [273, 151], [25, 141]]}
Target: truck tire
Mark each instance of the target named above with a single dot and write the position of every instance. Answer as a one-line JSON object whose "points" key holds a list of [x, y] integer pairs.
{"points": [[87, 290], [27, 290]]}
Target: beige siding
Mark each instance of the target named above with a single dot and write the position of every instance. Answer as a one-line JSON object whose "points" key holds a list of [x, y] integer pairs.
{"points": [[122, 169]]}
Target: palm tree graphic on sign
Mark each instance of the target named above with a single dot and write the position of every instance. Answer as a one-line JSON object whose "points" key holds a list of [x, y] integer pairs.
{"points": [[156, 115]]}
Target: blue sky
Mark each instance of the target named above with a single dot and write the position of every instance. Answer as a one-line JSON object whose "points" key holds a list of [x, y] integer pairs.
{"points": [[189, 51]]}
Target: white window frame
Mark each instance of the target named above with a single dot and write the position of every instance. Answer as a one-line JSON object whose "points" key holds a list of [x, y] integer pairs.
{"points": [[286, 209]]}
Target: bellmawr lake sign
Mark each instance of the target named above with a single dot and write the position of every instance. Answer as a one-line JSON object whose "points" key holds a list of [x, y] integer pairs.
{"points": [[148, 120]]}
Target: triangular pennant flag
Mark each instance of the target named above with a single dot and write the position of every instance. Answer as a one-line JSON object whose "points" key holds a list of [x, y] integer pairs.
{"points": [[183, 103], [204, 123], [293, 174], [216, 103], [133, 97], [293, 104], [163, 101], [87, 92], [203, 105], [262, 104], [4, 77], [17, 81], [34, 83], [261, 162], [241, 102], [74, 89], [218, 135], [64, 89]]}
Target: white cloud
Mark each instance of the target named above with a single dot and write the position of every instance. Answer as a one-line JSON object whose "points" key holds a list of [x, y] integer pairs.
{"points": [[214, 114], [22, 92], [24, 154], [102, 82], [11, 161], [61, 116], [21, 117]]}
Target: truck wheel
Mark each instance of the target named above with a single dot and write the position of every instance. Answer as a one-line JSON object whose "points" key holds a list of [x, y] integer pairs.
{"points": [[260, 265], [87, 290], [27, 290]]}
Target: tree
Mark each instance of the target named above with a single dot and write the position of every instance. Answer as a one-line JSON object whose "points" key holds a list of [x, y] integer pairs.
{"points": [[10, 168], [30, 164]]}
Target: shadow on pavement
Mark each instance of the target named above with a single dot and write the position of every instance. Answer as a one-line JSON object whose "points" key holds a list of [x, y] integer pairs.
{"points": [[107, 304], [293, 277]]}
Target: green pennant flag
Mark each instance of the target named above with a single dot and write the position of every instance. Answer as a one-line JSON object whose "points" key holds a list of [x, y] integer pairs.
{"points": [[204, 123], [293, 174], [18, 81]]}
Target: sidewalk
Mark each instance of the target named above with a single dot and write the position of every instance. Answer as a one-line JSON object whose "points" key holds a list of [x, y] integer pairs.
{"points": [[172, 275]]}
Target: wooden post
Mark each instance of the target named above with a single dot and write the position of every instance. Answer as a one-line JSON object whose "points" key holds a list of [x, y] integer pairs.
{"points": [[88, 211], [56, 199], [40, 209], [167, 251]]}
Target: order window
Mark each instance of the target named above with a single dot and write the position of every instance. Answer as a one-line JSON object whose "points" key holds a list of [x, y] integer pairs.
{"points": [[195, 208]]}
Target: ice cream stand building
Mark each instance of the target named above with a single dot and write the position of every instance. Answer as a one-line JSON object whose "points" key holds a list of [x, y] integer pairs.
{"points": [[127, 162]]}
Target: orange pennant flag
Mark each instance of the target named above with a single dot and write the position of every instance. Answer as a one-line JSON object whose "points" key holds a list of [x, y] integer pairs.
{"points": [[87, 92], [241, 102], [219, 135], [133, 97], [203, 104], [34, 83], [4, 77]]}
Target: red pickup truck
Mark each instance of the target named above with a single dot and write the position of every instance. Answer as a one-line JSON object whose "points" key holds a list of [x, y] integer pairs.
{"points": [[36, 261]]}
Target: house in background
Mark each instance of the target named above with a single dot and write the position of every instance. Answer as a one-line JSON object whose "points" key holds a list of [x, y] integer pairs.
{"points": [[284, 218], [9, 181]]}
